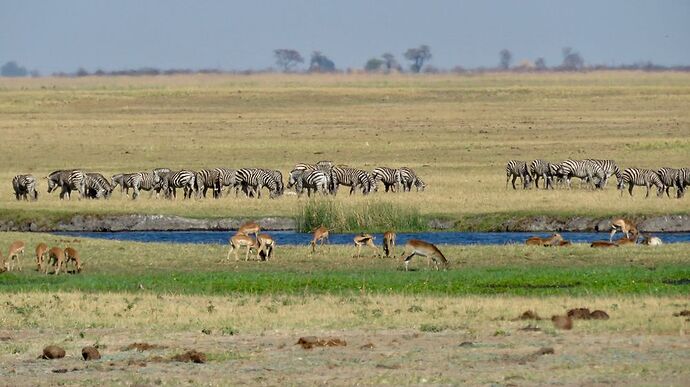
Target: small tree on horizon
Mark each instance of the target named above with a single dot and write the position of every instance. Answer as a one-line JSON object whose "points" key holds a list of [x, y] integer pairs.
{"points": [[320, 63], [418, 56], [505, 58], [287, 59], [540, 64], [572, 60], [374, 64], [12, 69], [390, 62]]}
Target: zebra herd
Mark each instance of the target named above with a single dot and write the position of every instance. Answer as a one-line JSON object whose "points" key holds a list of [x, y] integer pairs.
{"points": [[323, 177], [596, 173]]}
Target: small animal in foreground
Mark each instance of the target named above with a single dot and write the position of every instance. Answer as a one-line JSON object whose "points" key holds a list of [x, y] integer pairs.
{"points": [[56, 256], [389, 243], [16, 249], [364, 239], [623, 225], [72, 255], [425, 249], [249, 228], [553, 240], [267, 245], [652, 241], [320, 234], [41, 255], [239, 240]]}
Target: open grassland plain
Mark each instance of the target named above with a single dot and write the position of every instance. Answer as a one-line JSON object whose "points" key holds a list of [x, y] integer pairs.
{"points": [[422, 326], [457, 132]]}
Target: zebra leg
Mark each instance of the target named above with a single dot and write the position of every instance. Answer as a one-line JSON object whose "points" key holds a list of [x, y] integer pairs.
{"points": [[536, 181], [647, 195], [513, 181], [630, 188]]}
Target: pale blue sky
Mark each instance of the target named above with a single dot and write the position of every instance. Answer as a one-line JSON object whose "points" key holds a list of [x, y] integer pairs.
{"points": [[64, 35]]}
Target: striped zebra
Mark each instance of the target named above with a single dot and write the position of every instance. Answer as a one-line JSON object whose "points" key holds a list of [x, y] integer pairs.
{"points": [[124, 180], [541, 169], [252, 180], [386, 176], [68, 180], [350, 177], [669, 178], [325, 166], [185, 179], [277, 177], [205, 179], [556, 176], [515, 169], [25, 187], [97, 186], [682, 181], [226, 178], [145, 181], [406, 177], [643, 177], [310, 179], [582, 169], [610, 168]]}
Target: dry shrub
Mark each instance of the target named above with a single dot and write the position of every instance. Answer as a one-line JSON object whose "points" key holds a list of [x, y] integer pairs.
{"points": [[309, 342]]}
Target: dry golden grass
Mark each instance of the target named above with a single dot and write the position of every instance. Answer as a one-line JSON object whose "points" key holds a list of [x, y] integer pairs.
{"points": [[456, 131]]}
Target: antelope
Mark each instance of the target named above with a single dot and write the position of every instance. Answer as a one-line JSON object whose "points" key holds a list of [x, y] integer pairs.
{"points": [[57, 256], [266, 244], [628, 241], [365, 240], [41, 254], [249, 228], [652, 241], [603, 244], [389, 243], [16, 249], [320, 234], [72, 254], [239, 240], [623, 225], [553, 240], [425, 249]]}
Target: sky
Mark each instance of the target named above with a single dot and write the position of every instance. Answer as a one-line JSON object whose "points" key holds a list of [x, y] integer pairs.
{"points": [[54, 36]]}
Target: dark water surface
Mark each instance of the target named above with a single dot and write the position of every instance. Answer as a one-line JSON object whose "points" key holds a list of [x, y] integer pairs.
{"points": [[295, 238]]}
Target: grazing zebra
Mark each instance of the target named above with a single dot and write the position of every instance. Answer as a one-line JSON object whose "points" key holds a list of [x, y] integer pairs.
{"points": [[252, 180], [25, 187], [205, 179], [145, 181], [68, 180], [386, 176], [124, 180], [310, 179], [609, 167], [406, 177], [556, 176], [515, 169], [277, 177], [185, 179], [325, 166], [351, 177], [637, 176], [682, 181], [97, 186], [669, 177], [582, 169], [541, 169]]}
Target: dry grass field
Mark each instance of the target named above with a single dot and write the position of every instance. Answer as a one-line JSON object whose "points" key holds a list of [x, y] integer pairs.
{"points": [[456, 131]]}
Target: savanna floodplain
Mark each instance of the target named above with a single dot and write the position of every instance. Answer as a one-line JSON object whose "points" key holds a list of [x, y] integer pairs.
{"points": [[457, 326]]}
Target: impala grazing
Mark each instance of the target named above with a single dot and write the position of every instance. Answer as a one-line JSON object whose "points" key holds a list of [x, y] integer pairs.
{"points": [[41, 255], [425, 249], [239, 240], [320, 234], [623, 225], [72, 255], [389, 243], [16, 249], [57, 256], [364, 239]]}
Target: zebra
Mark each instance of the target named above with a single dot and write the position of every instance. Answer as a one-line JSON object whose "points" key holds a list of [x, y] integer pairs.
{"points": [[515, 169], [277, 177], [310, 179], [609, 167], [386, 176], [325, 166], [97, 186], [541, 169], [682, 181], [25, 187], [583, 169], [124, 180], [669, 177], [68, 180], [556, 176], [185, 179], [205, 179], [252, 180], [351, 177], [146, 181], [226, 178], [637, 176], [406, 177]]}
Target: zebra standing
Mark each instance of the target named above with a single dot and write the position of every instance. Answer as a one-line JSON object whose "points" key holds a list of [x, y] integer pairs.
{"points": [[25, 187], [582, 169], [325, 166], [226, 178], [669, 178], [682, 181], [181, 179], [252, 180], [541, 169], [386, 176], [515, 169], [68, 180], [556, 176], [97, 186], [124, 180], [277, 177], [610, 168], [406, 177], [205, 179], [313, 179], [351, 177], [145, 181], [637, 176]]}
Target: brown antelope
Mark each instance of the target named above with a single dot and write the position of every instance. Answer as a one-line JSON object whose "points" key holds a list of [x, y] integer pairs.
{"points": [[365, 240], [628, 241], [320, 234], [652, 241], [41, 255], [553, 240], [623, 225], [389, 243], [239, 240], [72, 254], [564, 243], [603, 244], [16, 249], [266, 244], [425, 249], [57, 256], [249, 228]]}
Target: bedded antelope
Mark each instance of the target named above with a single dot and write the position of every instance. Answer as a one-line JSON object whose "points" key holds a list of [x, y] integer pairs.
{"points": [[389, 243], [266, 244], [623, 225], [249, 228], [239, 240], [553, 240], [320, 234], [364, 239], [603, 244], [631, 240], [652, 241], [16, 249], [41, 255], [71, 254], [425, 249], [56, 255]]}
